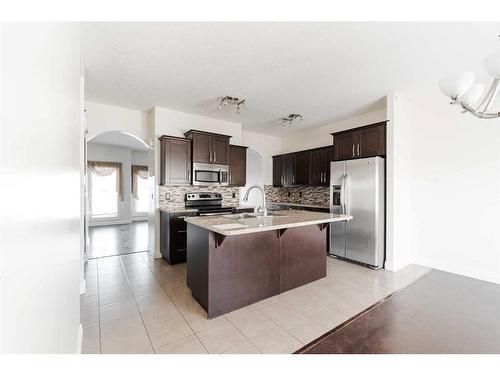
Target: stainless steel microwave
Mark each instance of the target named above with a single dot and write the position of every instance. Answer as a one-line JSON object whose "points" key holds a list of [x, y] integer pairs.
{"points": [[210, 174]]}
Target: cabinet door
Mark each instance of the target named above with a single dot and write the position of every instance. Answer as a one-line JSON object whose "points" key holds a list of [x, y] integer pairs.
{"points": [[288, 168], [372, 141], [302, 161], [329, 159], [345, 145], [318, 167], [201, 148], [277, 171], [175, 162], [220, 150], [237, 165]]}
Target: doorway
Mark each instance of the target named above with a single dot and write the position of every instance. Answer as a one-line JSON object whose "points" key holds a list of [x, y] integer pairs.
{"points": [[117, 195]]}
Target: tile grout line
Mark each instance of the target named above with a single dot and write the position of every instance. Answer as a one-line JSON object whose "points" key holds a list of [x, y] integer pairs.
{"points": [[178, 309], [137, 305]]}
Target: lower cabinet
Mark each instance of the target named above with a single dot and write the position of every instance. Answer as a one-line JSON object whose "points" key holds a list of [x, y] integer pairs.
{"points": [[173, 238]]}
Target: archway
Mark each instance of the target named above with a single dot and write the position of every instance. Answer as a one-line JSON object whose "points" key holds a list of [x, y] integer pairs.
{"points": [[117, 194]]}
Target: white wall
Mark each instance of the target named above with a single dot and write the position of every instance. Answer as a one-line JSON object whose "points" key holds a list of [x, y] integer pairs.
{"points": [[128, 157], [398, 183], [455, 174], [103, 117], [40, 189], [320, 136]]}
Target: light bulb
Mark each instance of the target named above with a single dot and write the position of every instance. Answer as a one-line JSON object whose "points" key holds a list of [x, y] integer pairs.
{"points": [[492, 64], [473, 94], [456, 85]]}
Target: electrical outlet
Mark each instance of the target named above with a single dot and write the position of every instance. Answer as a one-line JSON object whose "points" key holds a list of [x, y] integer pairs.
{"points": [[167, 196], [300, 194], [289, 194], [234, 195]]}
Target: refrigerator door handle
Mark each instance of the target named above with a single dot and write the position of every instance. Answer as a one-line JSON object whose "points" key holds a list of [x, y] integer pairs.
{"points": [[342, 192]]}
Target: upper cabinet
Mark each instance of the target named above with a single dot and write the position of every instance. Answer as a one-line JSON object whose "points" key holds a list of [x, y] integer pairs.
{"points": [[237, 165], [360, 142], [320, 166], [209, 147], [310, 167], [175, 161]]}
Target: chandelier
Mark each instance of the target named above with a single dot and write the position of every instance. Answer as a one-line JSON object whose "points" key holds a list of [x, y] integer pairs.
{"points": [[287, 121], [224, 101], [464, 92]]}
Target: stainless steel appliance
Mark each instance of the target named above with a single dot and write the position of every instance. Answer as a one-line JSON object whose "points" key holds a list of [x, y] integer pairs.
{"points": [[210, 174], [207, 204], [358, 189]]}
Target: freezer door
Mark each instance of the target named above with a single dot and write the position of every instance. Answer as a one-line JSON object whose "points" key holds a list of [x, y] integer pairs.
{"points": [[365, 240], [338, 229]]}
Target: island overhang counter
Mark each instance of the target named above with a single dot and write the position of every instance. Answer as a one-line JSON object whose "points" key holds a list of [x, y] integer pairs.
{"points": [[236, 260]]}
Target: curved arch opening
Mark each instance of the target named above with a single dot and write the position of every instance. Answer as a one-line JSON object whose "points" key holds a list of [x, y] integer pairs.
{"points": [[117, 194]]}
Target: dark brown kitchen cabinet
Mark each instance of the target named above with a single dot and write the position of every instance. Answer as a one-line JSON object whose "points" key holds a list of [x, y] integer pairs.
{"points": [[320, 166], [173, 236], [237, 165], [175, 161], [209, 147], [302, 165], [361, 142], [277, 171], [288, 169]]}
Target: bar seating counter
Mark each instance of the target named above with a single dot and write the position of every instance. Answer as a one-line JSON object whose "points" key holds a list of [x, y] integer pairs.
{"points": [[236, 260]]}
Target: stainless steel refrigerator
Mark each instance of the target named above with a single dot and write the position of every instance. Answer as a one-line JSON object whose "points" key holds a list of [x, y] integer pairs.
{"points": [[358, 189]]}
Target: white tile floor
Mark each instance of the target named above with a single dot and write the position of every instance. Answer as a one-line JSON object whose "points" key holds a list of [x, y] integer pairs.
{"points": [[134, 304]]}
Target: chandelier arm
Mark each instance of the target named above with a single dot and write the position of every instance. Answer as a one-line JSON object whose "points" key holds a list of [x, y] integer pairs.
{"points": [[494, 92], [485, 115], [488, 98]]}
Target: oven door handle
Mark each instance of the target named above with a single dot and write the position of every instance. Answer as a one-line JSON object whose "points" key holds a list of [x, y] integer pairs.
{"points": [[214, 213]]}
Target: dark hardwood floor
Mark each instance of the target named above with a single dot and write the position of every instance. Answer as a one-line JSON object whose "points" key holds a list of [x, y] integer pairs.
{"points": [[440, 313], [121, 239]]}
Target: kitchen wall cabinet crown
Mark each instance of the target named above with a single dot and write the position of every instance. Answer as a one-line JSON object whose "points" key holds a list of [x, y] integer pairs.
{"points": [[175, 161], [360, 142], [209, 147], [237, 165]]}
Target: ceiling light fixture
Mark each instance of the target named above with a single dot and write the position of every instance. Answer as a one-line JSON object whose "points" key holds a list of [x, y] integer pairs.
{"points": [[464, 92], [287, 121], [224, 101]]}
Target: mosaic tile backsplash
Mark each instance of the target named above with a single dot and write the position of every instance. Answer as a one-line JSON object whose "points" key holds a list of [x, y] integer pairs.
{"points": [[315, 195], [177, 193]]}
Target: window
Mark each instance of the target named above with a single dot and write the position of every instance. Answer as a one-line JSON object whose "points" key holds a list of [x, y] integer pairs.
{"points": [[103, 196], [141, 202]]}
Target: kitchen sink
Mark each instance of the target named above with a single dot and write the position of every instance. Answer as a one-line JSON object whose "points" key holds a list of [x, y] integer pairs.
{"points": [[248, 215]]}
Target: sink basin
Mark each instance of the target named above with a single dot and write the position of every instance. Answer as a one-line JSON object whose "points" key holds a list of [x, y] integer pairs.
{"points": [[248, 215]]}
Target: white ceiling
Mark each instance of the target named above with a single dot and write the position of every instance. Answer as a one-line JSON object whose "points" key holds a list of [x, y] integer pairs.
{"points": [[326, 71], [116, 138]]}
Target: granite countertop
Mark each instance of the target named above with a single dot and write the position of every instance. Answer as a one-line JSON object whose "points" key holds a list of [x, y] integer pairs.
{"points": [[229, 225], [179, 210], [299, 205]]}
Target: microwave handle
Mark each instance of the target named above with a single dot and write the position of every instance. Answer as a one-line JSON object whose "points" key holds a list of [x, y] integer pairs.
{"points": [[220, 176]]}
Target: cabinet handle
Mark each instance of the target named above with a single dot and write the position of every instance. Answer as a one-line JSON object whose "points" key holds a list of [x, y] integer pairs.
{"points": [[215, 155], [353, 150], [293, 178], [358, 149]]}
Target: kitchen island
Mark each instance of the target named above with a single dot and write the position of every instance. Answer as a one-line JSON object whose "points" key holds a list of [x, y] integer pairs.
{"points": [[236, 260]]}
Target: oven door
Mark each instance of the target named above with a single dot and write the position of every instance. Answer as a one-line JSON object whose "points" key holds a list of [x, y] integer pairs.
{"points": [[210, 174]]}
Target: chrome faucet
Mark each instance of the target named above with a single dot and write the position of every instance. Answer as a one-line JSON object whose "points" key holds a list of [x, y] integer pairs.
{"points": [[263, 208]]}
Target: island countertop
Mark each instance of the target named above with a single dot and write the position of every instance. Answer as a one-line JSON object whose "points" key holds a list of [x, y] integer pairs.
{"points": [[235, 224]]}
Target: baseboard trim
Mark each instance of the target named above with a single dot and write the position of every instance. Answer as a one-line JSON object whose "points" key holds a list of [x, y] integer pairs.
{"points": [[460, 270], [79, 340]]}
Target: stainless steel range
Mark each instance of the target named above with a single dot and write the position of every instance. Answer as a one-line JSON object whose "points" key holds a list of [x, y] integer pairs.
{"points": [[207, 204]]}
